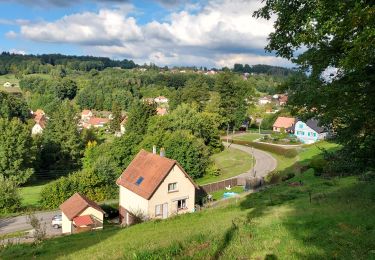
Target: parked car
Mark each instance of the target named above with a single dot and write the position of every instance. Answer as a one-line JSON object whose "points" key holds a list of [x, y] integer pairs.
{"points": [[57, 221]]}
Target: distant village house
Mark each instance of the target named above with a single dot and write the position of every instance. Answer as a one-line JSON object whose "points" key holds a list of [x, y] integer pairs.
{"points": [[284, 124]]}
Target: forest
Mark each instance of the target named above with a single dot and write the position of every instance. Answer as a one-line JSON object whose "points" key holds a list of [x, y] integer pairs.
{"points": [[200, 107]]}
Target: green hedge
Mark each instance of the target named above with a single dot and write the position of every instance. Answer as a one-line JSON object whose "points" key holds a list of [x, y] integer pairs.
{"points": [[98, 183], [290, 153]]}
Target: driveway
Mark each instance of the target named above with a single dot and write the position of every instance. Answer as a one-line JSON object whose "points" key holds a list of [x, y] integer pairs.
{"points": [[14, 224], [264, 162]]}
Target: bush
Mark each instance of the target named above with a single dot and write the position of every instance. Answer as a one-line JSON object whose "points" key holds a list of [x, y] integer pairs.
{"points": [[213, 170], [287, 176], [273, 178], [290, 153], [9, 198], [318, 164], [368, 176], [97, 183]]}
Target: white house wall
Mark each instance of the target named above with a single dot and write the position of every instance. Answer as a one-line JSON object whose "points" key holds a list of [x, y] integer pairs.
{"points": [[185, 190], [133, 202], [66, 224]]}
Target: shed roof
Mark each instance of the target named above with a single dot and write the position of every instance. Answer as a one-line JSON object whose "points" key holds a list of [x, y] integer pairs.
{"points": [[76, 204], [146, 172], [84, 220]]}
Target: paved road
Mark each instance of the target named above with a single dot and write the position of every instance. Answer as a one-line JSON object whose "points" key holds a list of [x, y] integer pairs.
{"points": [[10, 225], [264, 162]]}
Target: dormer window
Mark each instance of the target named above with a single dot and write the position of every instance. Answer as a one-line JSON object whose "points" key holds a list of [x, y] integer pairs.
{"points": [[172, 187]]}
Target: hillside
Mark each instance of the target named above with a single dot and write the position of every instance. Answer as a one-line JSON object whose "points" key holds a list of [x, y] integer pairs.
{"points": [[278, 223]]}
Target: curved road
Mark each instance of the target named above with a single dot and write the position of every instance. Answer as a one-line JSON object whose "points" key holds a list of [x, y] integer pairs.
{"points": [[264, 162]]}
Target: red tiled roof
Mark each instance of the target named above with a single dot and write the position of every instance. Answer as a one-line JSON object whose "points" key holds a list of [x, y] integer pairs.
{"points": [[86, 112], [152, 168], [77, 203], [98, 121], [161, 111], [84, 220], [284, 122], [283, 98]]}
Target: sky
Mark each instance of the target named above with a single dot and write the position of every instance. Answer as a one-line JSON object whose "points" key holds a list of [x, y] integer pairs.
{"points": [[211, 33]]}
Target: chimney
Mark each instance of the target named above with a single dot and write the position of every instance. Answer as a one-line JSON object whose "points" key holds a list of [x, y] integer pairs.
{"points": [[162, 152], [154, 149]]}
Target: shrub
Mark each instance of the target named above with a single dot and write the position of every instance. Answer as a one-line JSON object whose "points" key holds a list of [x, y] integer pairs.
{"points": [[213, 170], [273, 178], [287, 176], [97, 183], [318, 164], [368, 176], [9, 198]]}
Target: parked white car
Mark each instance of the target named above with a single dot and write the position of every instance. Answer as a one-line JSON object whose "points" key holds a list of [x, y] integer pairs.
{"points": [[57, 221]]}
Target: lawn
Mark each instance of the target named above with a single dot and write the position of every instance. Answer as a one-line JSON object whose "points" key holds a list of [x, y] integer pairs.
{"points": [[217, 195], [248, 137], [231, 162], [8, 78], [30, 195], [280, 222]]}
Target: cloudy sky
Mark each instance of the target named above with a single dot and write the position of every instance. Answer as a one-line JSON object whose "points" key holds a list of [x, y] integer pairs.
{"points": [[166, 32]]}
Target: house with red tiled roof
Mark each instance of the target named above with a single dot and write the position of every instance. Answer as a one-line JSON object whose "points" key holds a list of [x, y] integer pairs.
{"points": [[161, 111], [153, 186], [86, 115], [40, 121], [285, 123], [161, 99], [79, 213]]}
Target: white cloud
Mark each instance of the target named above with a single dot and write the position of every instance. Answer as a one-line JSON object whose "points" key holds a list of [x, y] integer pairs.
{"points": [[11, 35], [218, 34], [15, 51]]}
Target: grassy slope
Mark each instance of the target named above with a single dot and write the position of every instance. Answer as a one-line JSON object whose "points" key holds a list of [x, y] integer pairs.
{"points": [[248, 137], [279, 222], [231, 162]]}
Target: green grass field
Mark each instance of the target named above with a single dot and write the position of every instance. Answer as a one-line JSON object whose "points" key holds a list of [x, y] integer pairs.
{"points": [[231, 162], [30, 195], [9, 78], [248, 137], [278, 223]]}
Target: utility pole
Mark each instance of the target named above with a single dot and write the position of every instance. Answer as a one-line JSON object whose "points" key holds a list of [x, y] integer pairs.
{"points": [[228, 134]]}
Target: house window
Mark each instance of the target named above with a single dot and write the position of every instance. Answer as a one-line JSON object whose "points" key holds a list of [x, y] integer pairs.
{"points": [[308, 133], [172, 187], [158, 210], [181, 204], [314, 134]]}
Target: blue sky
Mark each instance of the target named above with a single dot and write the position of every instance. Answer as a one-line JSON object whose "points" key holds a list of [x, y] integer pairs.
{"points": [[166, 32]]}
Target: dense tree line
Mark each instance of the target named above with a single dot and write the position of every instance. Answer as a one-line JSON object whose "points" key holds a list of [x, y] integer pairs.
{"points": [[29, 64], [262, 69]]}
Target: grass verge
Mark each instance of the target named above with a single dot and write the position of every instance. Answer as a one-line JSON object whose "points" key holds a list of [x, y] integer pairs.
{"points": [[231, 162]]}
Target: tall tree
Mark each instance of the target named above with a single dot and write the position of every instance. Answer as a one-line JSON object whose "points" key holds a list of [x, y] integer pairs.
{"points": [[139, 116], [339, 37], [63, 146], [116, 121], [17, 151], [12, 106], [234, 94]]}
